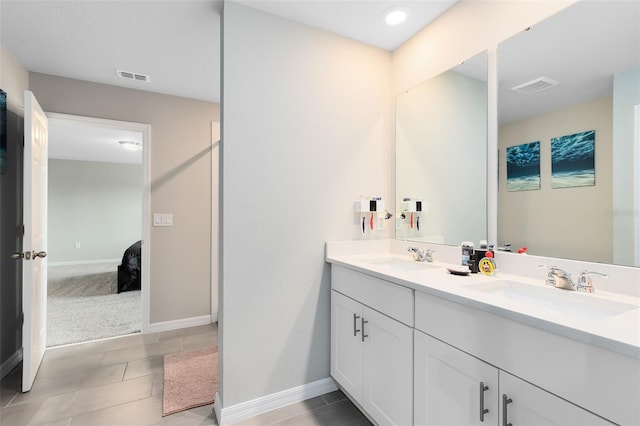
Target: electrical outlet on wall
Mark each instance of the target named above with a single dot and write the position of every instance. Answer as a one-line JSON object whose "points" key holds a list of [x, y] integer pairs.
{"points": [[77, 244]]}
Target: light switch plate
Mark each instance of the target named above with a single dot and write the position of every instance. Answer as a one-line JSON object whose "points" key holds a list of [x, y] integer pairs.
{"points": [[163, 219]]}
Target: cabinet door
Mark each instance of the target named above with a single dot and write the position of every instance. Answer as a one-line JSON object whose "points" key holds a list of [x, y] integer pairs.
{"points": [[346, 343], [388, 369], [447, 386], [533, 406]]}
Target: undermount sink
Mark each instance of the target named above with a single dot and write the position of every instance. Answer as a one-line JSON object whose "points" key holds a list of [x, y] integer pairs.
{"points": [[398, 264], [554, 301]]}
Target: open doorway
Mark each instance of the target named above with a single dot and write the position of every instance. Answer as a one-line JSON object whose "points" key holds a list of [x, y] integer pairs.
{"points": [[96, 199]]}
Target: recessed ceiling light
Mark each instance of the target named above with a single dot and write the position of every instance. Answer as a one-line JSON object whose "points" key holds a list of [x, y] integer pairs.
{"points": [[395, 17], [131, 145]]}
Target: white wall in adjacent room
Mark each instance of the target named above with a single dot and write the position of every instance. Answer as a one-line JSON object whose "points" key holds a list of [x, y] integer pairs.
{"points": [[97, 205]]}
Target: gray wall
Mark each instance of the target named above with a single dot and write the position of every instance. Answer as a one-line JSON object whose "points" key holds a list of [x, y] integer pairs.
{"points": [[181, 169], [96, 204], [301, 139], [306, 130], [14, 80]]}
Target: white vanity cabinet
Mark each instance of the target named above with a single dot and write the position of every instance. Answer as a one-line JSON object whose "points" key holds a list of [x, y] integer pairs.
{"points": [[371, 352], [415, 353], [523, 404], [453, 387], [545, 379]]}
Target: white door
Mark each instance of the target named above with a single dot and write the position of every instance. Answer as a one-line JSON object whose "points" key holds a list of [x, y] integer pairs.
{"points": [[388, 369], [526, 405], [346, 343], [452, 387], [34, 287]]}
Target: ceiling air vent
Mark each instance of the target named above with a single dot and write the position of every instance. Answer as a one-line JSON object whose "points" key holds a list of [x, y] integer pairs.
{"points": [[534, 86], [128, 75]]}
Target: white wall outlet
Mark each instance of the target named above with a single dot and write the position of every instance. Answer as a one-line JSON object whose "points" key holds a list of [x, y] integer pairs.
{"points": [[163, 219], [77, 244]]}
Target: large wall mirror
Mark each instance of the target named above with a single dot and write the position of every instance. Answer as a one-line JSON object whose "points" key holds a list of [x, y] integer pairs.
{"points": [[569, 161], [441, 157]]}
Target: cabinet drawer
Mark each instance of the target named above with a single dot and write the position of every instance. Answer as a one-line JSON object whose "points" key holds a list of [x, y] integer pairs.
{"points": [[391, 299]]}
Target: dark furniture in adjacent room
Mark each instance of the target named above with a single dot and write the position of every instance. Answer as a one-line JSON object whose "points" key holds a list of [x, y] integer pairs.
{"points": [[129, 270]]}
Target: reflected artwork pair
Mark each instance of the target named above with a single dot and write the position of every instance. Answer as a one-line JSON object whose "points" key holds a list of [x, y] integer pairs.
{"points": [[572, 163]]}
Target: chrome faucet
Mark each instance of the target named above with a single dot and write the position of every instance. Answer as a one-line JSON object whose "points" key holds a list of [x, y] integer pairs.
{"points": [[560, 278], [584, 281], [422, 255]]}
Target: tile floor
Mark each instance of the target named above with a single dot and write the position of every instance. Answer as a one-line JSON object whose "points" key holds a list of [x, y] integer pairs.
{"points": [[118, 382]]}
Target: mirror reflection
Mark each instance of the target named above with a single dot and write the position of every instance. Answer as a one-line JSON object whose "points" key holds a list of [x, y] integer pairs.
{"points": [[441, 157], [568, 102]]}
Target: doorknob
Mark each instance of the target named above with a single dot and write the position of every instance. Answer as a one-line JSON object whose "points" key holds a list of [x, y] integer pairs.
{"points": [[42, 254], [17, 256]]}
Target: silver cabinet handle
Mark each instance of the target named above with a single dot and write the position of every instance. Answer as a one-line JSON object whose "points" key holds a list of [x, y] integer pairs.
{"points": [[505, 401], [483, 410], [362, 323], [42, 254], [17, 256], [355, 330]]}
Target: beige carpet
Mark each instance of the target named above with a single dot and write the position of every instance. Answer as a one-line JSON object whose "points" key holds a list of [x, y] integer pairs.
{"points": [[82, 304], [190, 380]]}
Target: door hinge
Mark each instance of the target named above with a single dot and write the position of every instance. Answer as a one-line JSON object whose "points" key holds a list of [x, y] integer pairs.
{"points": [[22, 318]]}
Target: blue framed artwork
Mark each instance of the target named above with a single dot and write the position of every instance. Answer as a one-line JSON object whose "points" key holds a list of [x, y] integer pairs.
{"points": [[3, 131], [523, 167], [573, 160]]}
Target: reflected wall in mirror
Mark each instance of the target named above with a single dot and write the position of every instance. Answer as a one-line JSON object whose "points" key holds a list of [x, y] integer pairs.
{"points": [[592, 49], [441, 157]]}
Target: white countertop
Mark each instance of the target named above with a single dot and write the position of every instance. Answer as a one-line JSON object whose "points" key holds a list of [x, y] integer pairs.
{"points": [[542, 306]]}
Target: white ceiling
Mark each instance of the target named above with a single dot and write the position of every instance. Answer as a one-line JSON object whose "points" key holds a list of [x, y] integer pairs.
{"points": [[175, 42], [84, 142], [581, 47], [361, 20]]}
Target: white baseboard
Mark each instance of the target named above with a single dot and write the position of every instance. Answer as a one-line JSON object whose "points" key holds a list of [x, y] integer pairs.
{"points": [[217, 408], [245, 410], [82, 262], [176, 324], [10, 363]]}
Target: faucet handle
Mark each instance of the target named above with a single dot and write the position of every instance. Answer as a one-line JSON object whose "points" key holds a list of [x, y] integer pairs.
{"points": [[422, 255], [559, 278], [418, 254], [429, 255], [552, 270], [584, 281]]}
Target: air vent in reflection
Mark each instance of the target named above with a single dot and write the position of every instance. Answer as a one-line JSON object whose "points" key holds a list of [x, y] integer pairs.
{"points": [[534, 86], [133, 76]]}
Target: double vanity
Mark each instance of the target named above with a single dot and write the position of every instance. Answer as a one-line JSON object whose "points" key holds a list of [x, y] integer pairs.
{"points": [[412, 344]]}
